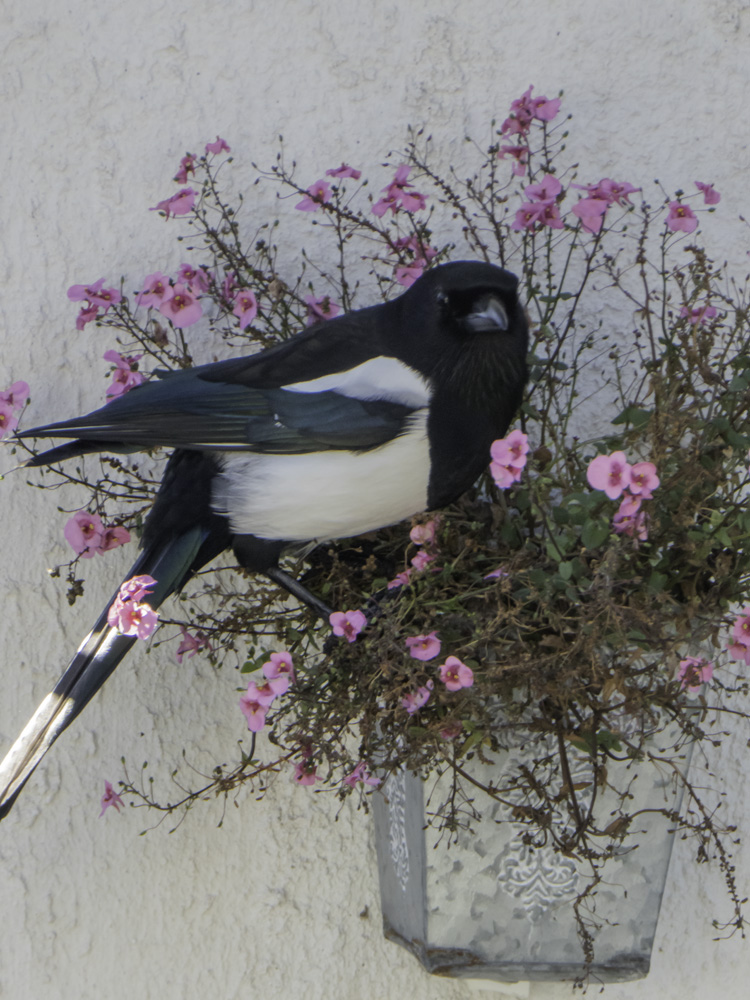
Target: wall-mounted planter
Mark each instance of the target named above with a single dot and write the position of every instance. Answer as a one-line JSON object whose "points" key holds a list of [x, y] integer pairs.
{"points": [[492, 907]]}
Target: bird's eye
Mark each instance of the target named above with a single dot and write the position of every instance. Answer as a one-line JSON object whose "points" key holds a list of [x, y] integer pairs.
{"points": [[487, 313]]}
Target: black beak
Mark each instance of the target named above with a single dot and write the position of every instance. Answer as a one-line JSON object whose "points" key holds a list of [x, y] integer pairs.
{"points": [[489, 314]]}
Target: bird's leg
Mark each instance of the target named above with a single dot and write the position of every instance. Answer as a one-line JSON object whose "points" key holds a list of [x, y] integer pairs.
{"points": [[296, 589]]}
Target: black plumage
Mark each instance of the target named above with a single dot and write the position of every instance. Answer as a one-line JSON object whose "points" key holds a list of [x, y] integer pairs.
{"points": [[359, 422]]}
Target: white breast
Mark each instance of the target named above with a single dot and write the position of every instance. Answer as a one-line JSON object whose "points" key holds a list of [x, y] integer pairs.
{"points": [[330, 494]]}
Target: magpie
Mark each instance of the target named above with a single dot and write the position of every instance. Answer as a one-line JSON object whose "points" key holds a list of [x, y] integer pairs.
{"points": [[357, 423]]}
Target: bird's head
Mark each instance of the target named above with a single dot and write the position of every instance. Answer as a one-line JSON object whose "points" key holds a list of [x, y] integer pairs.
{"points": [[467, 329]]}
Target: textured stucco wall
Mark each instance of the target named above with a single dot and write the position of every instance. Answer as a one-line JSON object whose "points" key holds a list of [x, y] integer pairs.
{"points": [[99, 101]]}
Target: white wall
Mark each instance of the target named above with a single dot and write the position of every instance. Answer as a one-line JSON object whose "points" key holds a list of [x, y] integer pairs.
{"points": [[99, 102]]}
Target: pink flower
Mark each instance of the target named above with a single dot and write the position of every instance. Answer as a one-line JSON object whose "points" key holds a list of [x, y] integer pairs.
{"points": [[612, 192], [681, 218], [113, 537], [136, 587], [531, 213], [511, 450], [643, 479], [280, 668], [96, 298], [318, 194], [421, 560], [455, 674], [348, 623], [187, 166], [693, 672], [305, 772], [546, 190], [741, 629], [179, 204], [155, 287], [105, 298], [698, 314], [526, 108], [95, 295], [322, 308], [264, 694], [8, 419], [521, 156], [181, 306], [191, 644], [740, 652], [551, 216], [630, 519], [220, 146], [504, 475], [133, 618], [127, 614], [344, 171], [415, 245], [383, 204], [451, 731], [407, 274], [500, 573], [508, 458], [16, 396], [83, 293], [710, 195], [254, 713], [124, 376], [84, 533], [415, 700], [398, 196], [86, 316], [423, 647], [610, 473], [110, 798], [591, 213], [402, 579], [544, 109], [196, 278], [245, 307], [542, 208], [424, 534], [360, 774], [412, 201]]}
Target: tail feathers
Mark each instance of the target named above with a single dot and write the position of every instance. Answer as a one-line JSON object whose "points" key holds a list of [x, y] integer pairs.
{"points": [[73, 450], [98, 655]]}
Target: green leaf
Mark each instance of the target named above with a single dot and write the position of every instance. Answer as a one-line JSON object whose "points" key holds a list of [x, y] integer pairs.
{"points": [[476, 737], [586, 742], [608, 740], [657, 582], [633, 415], [739, 383], [736, 439], [565, 569], [560, 515], [594, 534]]}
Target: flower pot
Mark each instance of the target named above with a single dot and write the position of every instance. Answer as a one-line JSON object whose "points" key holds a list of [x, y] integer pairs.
{"points": [[490, 903]]}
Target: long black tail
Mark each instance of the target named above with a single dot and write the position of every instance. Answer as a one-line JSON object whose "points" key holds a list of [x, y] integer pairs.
{"points": [[181, 535], [98, 655]]}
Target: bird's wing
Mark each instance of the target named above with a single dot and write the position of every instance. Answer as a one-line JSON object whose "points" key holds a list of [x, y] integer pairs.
{"points": [[362, 407]]}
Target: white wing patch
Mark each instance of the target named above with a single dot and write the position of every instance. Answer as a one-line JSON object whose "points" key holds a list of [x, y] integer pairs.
{"points": [[327, 494], [378, 378]]}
